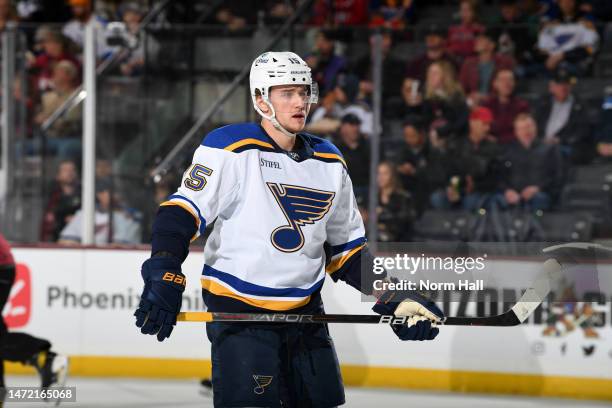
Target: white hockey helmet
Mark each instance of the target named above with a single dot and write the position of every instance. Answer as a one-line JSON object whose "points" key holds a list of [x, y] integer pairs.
{"points": [[279, 68]]}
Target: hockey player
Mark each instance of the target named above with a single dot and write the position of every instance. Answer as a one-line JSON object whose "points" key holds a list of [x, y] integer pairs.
{"points": [[22, 347], [281, 199]]}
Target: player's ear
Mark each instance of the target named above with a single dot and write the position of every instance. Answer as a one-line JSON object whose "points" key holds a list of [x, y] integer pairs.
{"points": [[262, 105]]}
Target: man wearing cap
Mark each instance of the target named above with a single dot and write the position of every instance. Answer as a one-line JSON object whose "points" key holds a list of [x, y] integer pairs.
{"points": [[505, 106], [355, 151], [562, 118], [472, 168], [477, 72]]}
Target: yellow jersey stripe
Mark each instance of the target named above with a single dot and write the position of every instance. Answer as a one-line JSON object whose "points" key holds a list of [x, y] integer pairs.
{"points": [[189, 210], [220, 290], [330, 156], [244, 142], [337, 264]]}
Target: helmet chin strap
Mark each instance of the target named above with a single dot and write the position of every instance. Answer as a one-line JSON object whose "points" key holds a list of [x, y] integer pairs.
{"points": [[273, 120], [280, 128]]}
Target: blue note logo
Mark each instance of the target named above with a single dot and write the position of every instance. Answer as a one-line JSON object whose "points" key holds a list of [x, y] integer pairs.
{"points": [[301, 206], [262, 382]]}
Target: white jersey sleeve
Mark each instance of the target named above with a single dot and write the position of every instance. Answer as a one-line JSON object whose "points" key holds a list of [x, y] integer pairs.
{"points": [[345, 230], [207, 186]]}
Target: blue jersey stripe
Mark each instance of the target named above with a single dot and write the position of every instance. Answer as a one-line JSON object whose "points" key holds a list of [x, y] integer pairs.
{"points": [[202, 220], [226, 135], [336, 249], [257, 290]]}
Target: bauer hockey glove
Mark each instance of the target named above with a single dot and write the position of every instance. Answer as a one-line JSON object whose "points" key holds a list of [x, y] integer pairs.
{"points": [[162, 296], [421, 314]]}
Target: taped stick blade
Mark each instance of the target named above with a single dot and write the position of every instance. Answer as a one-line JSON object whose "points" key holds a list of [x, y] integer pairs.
{"points": [[535, 295]]}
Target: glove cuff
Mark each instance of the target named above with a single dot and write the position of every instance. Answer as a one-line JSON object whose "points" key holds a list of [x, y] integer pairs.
{"points": [[165, 270]]}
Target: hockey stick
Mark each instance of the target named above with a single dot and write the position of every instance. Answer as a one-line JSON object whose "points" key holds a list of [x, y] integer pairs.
{"points": [[531, 299]]}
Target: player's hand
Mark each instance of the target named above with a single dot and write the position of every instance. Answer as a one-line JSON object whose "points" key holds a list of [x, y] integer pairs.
{"points": [[162, 296], [422, 314]]}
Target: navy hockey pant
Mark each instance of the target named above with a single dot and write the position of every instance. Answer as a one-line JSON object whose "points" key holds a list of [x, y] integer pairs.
{"points": [[273, 365]]}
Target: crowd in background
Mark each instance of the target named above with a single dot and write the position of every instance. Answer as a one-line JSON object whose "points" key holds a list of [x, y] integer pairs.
{"points": [[463, 138], [54, 34], [470, 141]]}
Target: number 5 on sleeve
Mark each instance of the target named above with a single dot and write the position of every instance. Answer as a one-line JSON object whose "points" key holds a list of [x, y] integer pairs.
{"points": [[196, 180]]}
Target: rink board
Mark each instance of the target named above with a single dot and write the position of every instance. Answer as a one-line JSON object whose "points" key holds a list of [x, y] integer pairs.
{"points": [[82, 300]]}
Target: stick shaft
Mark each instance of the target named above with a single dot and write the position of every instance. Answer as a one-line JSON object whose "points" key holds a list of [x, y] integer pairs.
{"points": [[507, 319], [531, 299]]}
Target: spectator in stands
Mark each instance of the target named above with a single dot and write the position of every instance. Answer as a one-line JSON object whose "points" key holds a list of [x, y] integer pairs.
{"points": [[8, 14], [444, 108], [236, 14], [413, 160], [409, 103], [131, 15], [63, 202], [477, 72], [395, 208], [43, 11], [339, 13], [505, 106], [64, 135], [104, 169], [436, 50], [124, 230], [472, 169], [599, 9], [26, 99], [392, 14], [569, 41], [532, 171], [563, 121], [55, 47], [568, 10], [461, 37], [278, 11], [340, 102], [356, 152], [392, 69], [325, 62], [511, 31], [604, 132], [82, 14]]}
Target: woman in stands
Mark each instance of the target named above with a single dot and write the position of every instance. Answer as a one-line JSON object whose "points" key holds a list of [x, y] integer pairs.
{"points": [[395, 209], [444, 107]]}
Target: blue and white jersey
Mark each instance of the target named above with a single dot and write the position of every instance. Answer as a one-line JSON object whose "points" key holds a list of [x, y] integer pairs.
{"points": [[274, 210]]}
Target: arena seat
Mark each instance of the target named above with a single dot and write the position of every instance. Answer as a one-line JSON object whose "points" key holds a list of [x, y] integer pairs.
{"points": [[565, 226], [594, 198], [444, 225], [591, 174]]}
